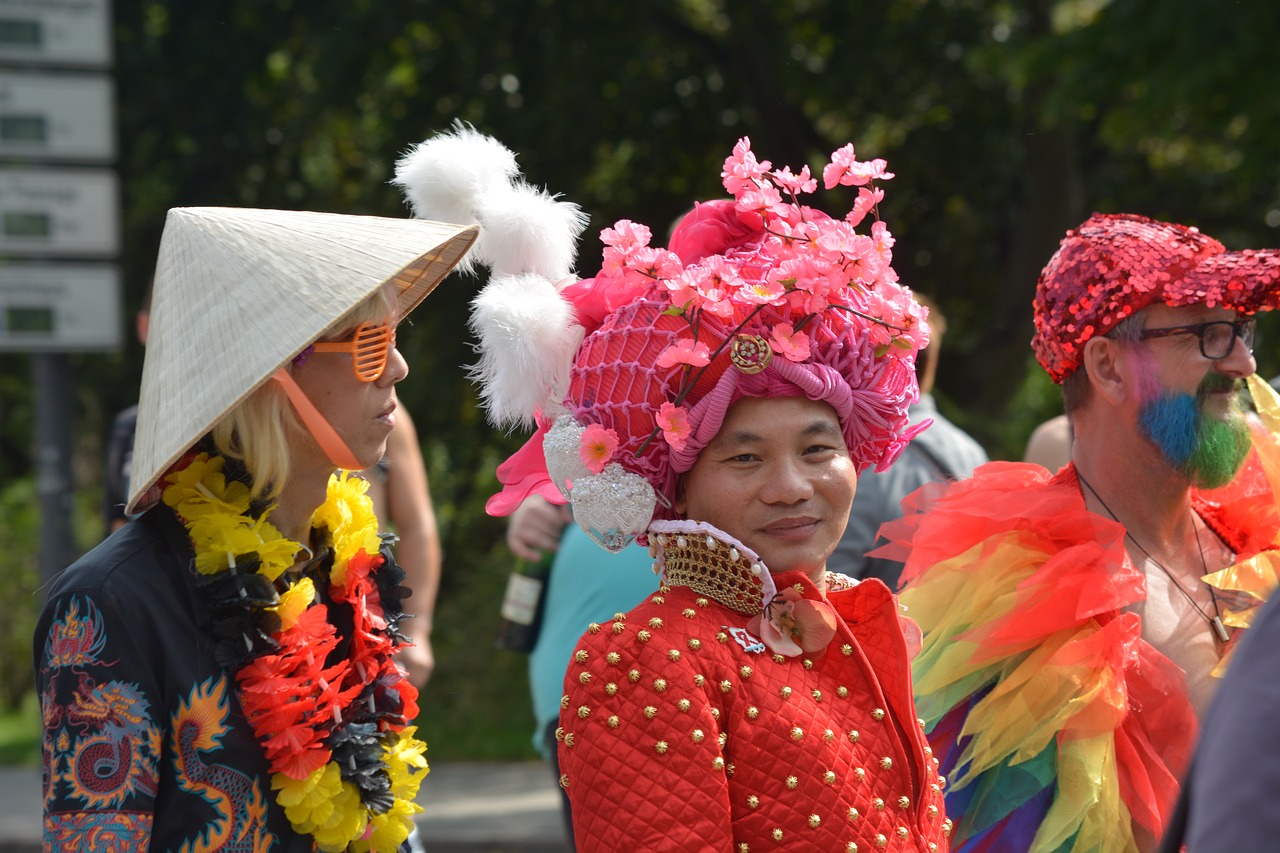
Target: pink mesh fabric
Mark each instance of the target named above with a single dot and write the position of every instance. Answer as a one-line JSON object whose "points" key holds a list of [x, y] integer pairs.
{"points": [[615, 383]]}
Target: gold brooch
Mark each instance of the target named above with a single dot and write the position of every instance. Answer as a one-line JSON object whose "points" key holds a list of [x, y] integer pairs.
{"points": [[750, 353]]}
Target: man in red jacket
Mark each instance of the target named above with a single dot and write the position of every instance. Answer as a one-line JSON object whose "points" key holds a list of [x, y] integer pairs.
{"points": [[717, 399]]}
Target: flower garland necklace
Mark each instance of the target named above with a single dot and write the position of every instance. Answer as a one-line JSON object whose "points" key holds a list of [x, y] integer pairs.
{"points": [[345, 764]]}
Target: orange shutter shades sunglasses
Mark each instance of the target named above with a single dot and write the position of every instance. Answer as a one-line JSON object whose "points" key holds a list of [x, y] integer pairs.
{"points": [[369, 345]]}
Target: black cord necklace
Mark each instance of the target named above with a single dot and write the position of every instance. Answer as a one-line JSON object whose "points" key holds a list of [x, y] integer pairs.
{"points": [[1215, 622]]}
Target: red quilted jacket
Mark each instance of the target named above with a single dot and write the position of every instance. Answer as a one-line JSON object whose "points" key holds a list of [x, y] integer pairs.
{"points": [[680, 732]]}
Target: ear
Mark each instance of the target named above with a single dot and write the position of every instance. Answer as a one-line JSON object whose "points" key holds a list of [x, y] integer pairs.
{"points": [[680, 504], [1104, 363]]}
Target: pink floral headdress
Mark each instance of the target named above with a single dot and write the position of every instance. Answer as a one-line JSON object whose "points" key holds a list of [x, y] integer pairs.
{"points": [[758, 295]]}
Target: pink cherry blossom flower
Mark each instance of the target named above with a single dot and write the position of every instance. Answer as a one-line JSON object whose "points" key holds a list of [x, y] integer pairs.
{"points": [[788, 343], [683, 287], [861, 174], [801, 183], [862, 205], [764, 202], [685, 351], [841, 239], [792, 625], [645, 264], [598, 446], [741, 169], [834, 173], [883, 240], [718, 280], [764, 292], [626, 235], [723, 308], [846, 170], [674, 422], [903, 320], [804, 302]]}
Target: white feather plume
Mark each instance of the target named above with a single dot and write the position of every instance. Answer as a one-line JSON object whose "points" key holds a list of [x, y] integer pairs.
{"points": [[528, 336], [446, 177], [524, 229]]}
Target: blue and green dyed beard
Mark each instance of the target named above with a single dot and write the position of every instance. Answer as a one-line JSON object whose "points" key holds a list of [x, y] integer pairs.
{"points": [[1209, 450]]}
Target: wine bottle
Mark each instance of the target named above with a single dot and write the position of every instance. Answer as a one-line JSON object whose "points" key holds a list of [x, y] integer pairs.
{"points": [[522, 605]]}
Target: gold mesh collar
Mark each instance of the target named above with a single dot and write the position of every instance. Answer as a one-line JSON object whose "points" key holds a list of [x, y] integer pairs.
{"points": [[711, 563]]}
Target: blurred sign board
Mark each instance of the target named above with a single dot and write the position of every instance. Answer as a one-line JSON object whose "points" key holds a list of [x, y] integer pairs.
{"points": [[57, 116], [71, 32], [59, 307], [59, 212]]}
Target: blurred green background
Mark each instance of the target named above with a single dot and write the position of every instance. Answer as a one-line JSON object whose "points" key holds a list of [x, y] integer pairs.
{"points": [[1005, 122]]}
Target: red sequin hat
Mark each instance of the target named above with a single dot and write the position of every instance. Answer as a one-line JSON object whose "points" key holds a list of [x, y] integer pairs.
{"points": [[1114, 265]]}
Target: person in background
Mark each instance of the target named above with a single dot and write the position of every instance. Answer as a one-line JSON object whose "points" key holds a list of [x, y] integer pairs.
{"points": [[1076, 624], [583, 586], [220, 671], [1228, 797], [717, 399], [942, 452], [402, 500], [119, 462], [1050, 444]]}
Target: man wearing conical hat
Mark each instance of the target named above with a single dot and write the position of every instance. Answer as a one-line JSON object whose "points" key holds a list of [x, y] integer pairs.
{"points": [[219, 674], [1076, 625]]}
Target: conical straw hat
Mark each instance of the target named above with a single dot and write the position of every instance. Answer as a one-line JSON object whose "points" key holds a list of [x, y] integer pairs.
{"points": [[239, 292]]}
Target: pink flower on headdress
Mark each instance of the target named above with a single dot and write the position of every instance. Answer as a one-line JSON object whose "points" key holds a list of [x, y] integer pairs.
{"points": [[685, 351], [788, 343], [862, 205], [598, 446], [841, 239], [872, 170], [801, 183], [713, 281], [683, 287], [903, 321], [741, 169], [674, 421], [790, 234], [649, 263], [626, 235], [867, 268], [792, 624], [764, 292], [629, 258], [764, 203], [883, 240], [846, 170], [835, 172], [805, 302]]}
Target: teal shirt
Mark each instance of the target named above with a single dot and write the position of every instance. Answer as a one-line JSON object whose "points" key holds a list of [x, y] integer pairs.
{"points": [[587, 584]]}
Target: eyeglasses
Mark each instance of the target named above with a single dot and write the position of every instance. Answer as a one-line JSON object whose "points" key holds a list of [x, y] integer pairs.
{"points": [[1217, 339], [369, 346]]}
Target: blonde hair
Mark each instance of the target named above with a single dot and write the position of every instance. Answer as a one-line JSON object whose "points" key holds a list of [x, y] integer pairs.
{"points": [[256, 432]]}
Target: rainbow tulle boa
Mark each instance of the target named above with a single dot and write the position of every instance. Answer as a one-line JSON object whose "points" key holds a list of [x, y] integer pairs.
{"points": [[1058, 726]]}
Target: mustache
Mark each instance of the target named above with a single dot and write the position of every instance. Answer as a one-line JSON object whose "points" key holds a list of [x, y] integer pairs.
{"points": [[1214, 383]]}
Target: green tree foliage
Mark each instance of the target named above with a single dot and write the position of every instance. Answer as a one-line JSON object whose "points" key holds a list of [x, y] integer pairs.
{"points": [[1006, 123]]}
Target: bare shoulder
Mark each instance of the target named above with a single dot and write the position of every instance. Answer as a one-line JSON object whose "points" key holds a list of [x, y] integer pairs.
{"points": [[1050, 444]]}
